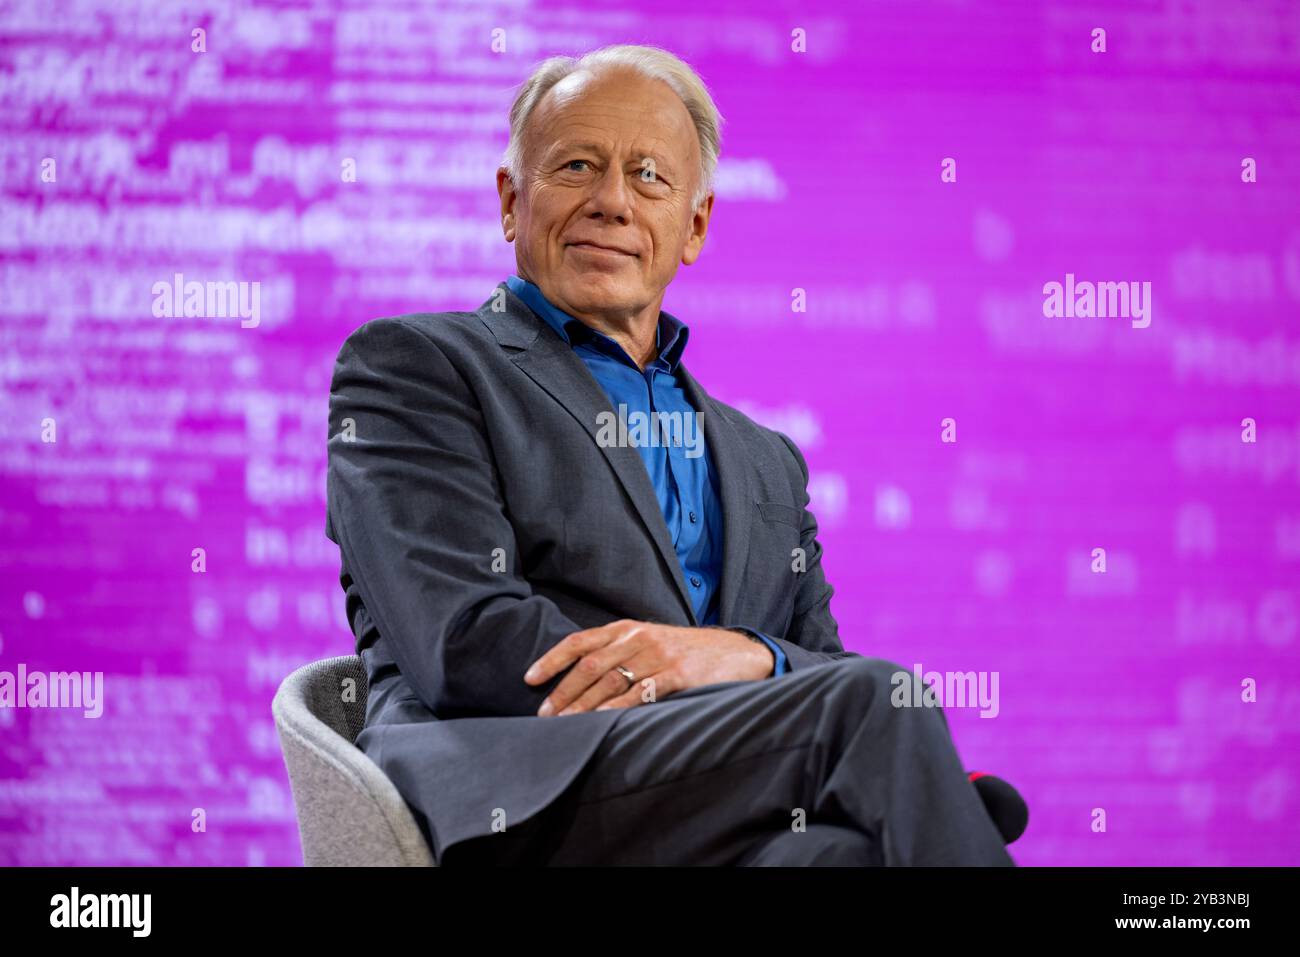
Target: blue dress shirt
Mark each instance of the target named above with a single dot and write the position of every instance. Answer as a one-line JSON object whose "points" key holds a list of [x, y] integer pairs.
{"points": [[684, 480]]}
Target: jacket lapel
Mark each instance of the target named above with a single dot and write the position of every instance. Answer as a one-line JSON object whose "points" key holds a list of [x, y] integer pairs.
{"points": [[556, 368]]}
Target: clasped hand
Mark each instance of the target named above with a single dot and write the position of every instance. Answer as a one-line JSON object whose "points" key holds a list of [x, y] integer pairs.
{"points": [[662, 658]]}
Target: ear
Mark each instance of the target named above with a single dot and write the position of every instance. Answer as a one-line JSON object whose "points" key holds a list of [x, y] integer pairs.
{"points": [[506, 190], [699, 229]]}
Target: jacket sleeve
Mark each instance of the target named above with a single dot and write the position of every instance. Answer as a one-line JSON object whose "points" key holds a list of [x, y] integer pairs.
{"points": [[813, 637], [416, 507]]}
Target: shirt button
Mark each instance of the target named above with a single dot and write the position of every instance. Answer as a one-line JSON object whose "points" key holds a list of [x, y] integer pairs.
{"points": [[692, 516], [695, 581]]}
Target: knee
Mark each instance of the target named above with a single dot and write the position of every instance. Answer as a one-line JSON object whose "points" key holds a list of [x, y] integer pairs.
{"points": [[883, 687], [873, 677]]}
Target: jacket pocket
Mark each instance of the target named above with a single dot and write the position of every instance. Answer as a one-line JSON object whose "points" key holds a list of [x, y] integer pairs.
{"points": [[780, 512]]}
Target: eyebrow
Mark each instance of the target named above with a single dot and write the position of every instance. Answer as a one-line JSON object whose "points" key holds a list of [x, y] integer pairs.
{"points": [[596, 148]]}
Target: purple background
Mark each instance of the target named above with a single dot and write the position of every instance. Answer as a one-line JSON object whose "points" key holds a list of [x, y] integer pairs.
{"points": [[1119, 691]]}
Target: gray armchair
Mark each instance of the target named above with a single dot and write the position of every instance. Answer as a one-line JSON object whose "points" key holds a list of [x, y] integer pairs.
{"points": [[349, 813]]}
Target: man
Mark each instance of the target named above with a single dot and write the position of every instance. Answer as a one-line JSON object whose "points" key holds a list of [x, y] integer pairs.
{"points": [[585, 649]]}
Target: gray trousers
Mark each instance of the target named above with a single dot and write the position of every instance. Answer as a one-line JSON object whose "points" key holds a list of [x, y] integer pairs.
{"points": [[813, 767]]}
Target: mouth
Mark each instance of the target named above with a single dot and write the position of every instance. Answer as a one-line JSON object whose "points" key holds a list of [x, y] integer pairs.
{"points": [[596, 249]]}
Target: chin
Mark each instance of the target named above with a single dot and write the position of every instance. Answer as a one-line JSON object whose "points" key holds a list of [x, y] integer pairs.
{"points": [[598, 289]]}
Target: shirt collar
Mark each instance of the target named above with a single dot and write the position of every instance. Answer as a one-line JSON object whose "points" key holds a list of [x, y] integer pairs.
{"points": [[574, 331]]}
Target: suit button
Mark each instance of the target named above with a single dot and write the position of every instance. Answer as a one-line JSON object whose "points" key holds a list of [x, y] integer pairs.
{"points": [[695, 581]]}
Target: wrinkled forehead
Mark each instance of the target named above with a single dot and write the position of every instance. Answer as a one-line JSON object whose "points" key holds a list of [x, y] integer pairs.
{"points": [[587, 107]]}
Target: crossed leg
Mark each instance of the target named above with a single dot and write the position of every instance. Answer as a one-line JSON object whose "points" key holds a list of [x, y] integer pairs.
{"points": [[816, 766]]}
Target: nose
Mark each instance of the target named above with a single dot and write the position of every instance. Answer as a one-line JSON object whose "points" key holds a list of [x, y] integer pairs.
{"points": [[611, 198]]}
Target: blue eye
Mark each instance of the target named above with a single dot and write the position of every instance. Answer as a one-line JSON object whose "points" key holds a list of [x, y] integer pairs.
{"points": [[571, 162]]}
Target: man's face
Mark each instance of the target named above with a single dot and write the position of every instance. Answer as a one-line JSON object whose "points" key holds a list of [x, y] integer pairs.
{"points": [[609, 161]]}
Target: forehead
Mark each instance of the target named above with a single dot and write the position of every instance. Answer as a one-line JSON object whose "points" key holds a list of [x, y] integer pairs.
{"points": [[612, 108]]}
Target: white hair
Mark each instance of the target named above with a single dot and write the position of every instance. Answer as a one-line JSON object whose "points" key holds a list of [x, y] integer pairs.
{"points": [[650, 62]]}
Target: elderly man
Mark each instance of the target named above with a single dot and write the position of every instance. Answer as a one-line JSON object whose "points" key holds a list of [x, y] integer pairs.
{"points": [[590, 644]]}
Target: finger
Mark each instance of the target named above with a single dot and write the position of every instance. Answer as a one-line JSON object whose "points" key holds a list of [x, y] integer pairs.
{"points": [[645, 691], [610, 685], [591, 670], [648, 661], [567, 650]]}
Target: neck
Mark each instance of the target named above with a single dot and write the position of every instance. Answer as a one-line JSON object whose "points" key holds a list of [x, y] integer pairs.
{"points": [[637, 339], [634, 330]]}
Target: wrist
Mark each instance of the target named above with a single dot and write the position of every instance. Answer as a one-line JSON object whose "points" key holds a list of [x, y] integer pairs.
{"points": [[764, 656]]}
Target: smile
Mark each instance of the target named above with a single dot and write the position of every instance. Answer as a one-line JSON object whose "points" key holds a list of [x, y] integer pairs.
{"points": [[593, 250]]}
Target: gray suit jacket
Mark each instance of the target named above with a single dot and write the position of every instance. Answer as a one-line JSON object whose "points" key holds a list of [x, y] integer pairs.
{"points": [[463, 442]]}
